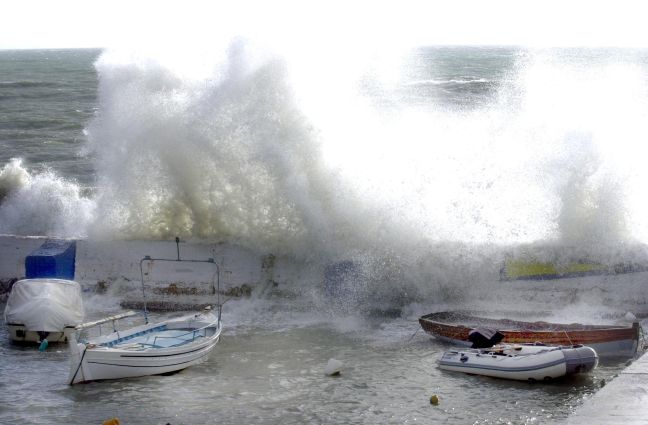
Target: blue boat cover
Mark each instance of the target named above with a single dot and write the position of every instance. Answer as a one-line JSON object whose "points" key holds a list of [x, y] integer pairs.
{"points": [[55, 258]]}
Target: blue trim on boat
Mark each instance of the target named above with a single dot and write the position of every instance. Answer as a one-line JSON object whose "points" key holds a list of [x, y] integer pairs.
{"points": [[140, 366], [162, 355]]}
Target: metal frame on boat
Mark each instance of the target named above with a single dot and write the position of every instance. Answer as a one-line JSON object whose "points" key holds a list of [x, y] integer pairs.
{"points": [[149, 349], [607, 340]]}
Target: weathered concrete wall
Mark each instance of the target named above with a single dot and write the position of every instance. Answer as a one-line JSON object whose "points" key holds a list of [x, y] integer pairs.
{"points": [[13, 250], [110, 261], [113, 260]]}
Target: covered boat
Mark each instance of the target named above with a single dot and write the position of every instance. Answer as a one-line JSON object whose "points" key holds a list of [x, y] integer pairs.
{"points": [[526, 362], [46, 309], [606, 340]]}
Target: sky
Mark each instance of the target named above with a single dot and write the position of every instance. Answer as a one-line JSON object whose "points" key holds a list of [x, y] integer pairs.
{"points": [[118, 23]]}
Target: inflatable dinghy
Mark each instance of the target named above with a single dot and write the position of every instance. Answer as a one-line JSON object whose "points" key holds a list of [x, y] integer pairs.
{"points": [[521, 361]]}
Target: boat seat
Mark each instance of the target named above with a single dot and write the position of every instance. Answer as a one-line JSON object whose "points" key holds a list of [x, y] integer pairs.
{"points": [[123, 339]]}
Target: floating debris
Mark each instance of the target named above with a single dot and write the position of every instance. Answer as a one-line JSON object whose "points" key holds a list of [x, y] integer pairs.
{"points": [[333, 367], [434, 400]]}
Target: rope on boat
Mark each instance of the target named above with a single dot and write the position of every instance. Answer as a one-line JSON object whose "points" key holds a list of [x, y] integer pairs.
{"points": [[79, 367], [568, 338], [412, 337]]}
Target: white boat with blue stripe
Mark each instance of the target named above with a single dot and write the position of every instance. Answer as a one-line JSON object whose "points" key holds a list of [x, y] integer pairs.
{"points": [[148, 349], [524, 362]]}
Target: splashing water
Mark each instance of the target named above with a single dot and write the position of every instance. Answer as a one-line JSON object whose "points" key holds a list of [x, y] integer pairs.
{"points": [[298, 153], [41, 204]]}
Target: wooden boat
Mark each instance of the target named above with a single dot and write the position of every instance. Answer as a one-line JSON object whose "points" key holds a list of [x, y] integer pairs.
{"points": [[525, 362], [43, 310], [149, 349], [607, 340]]}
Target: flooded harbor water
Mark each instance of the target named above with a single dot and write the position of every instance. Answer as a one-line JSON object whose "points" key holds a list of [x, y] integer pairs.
{"points": [[269, 369]]}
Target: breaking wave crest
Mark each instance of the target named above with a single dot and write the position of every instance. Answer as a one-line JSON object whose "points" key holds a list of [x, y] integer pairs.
{"points": [[262, 148], [42, 204]]}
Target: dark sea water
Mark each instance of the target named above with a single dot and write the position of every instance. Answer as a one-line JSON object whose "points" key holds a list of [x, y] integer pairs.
{"points": [[431, 165], [46, 99]]}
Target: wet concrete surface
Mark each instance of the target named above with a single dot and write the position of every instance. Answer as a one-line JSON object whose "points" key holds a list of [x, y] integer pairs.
{"points": [[623, 400]]}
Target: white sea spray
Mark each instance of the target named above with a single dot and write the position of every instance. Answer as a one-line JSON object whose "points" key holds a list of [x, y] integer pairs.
{"points": [[42, 204]]}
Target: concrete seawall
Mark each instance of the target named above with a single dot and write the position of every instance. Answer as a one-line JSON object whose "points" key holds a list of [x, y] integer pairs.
{"points": [[106, 262], [624, 400]]}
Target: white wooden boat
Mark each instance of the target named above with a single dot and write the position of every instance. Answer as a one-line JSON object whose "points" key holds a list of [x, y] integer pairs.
{"points": [[524, 362], [149, 349], [43, 310]]}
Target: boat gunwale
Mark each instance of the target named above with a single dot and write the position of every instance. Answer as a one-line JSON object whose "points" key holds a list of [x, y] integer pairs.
{"points": [[518, 325], [105, 343], [159, 327]]}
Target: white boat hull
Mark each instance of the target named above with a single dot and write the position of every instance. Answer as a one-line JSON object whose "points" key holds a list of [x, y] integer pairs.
{"points": [[20, 333], [43, 308], [137, 352], [521, 362]]}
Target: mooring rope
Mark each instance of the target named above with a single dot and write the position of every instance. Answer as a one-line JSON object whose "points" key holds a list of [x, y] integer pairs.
{"points": [[412, 337], [568, 338], [79, 367]]}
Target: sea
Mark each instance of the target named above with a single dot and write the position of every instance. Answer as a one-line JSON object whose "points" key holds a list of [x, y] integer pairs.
{"points": [[428, 166]]}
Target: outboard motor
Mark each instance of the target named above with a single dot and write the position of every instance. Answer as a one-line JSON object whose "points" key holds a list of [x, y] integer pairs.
{"points": [[484, 337]]}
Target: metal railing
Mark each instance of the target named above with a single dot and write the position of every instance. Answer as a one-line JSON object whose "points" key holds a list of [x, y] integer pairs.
{"points": [[215, 282]]}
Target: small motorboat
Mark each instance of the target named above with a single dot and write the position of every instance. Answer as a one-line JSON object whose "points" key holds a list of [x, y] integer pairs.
{"points": [[607, 340], [149, 349], [523, 362], [43, 310]]}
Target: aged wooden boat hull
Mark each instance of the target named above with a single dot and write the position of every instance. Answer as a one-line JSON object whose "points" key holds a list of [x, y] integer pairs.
{"points": [[607, 340]]}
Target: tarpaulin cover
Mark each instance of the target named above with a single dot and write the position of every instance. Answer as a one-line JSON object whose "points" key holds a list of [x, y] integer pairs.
{"points": [[45, 304], [55, 258], [484, 337]]}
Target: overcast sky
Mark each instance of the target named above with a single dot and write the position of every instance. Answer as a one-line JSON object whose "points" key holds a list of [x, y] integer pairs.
{"points": [[115, 23]]}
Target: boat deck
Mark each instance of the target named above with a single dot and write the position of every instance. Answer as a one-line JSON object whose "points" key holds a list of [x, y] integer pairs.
{"points": [[158, 337]]}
